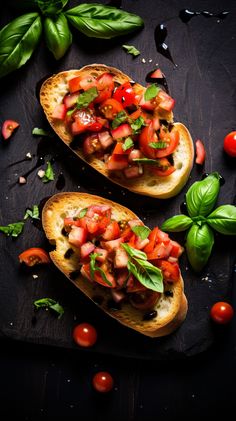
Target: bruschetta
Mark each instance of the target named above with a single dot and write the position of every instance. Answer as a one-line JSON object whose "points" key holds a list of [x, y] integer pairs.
{"points": [[123, 130], [130, 271]]}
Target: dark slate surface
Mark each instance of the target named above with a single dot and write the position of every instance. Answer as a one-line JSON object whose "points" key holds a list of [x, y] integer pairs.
{"points": [[203, 86]]}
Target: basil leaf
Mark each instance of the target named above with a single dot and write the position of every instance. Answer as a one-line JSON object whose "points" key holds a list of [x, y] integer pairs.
{"points": [[87, 97], [130, 49], [141, 231], [223, 219], [49, 173], [151, 92], [49, 303], [128, 143], [157, 145], [41, 132], [99, 21], [34, 213], [51, 7], [148, 275], [199, 243], [13, 229], [57, 35], [18, 40], [132, 252], [82, 213], [137, 124], [177, 223], [202, 195], [120, 118], [150, 161], [94, 268]]}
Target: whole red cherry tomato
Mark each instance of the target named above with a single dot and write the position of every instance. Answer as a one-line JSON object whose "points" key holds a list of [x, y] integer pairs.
{"points": [[222, 312], [230, 144], [103, 382], [85, 335]]}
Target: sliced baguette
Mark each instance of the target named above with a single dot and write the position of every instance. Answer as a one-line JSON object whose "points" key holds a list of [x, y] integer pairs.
{"points": [[52, 93], [171, 310]]}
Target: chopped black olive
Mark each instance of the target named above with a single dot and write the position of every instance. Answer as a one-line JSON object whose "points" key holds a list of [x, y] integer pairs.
{"points": [[68, 253], [168, 293], [150, 315]]}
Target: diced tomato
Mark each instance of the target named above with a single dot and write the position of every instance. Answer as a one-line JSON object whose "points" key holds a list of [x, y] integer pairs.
{"points": [[34, 256], [74, 84], [176, 250], [8, 128], [78, 82], [86, 249], [70, 100], [77, 236], [69, 222], [133, 285], [85, 271], [200, 152], [122, 276], [105, 87], [165, 101], [118, 149], [156, 74], [110, 108], [163, 237], [117, 162], [136, 114], [167, 170], [121, 258], [125, 95], [170, 270], [160, 251], [112, 245], [83, 120], [102, 254], [112, 231], [127, 234], [91, 144], [96, 126], [124, 130], [102, 210], [148, 105], [133, 171], [135, 154], [172, 139], [105, 139], [144, 300], [59, 112]]}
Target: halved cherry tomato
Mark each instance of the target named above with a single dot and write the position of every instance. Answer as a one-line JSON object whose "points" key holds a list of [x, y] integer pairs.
{"points": [[222, 312], [147, 136], [110, 108], [85, 335], [144, 300], [125, 95], [164, 168], [34, 256], [105, 87], [200, 152], [230, 144], [8, 128], [172, 140], [103, 382]]}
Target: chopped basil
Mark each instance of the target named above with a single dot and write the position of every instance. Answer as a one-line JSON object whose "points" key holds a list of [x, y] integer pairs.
{"points": [[128, 143], [82, 213], [141, 231], [70, 112], [130, 49], [49, 303], [157, 145], [87, 97], [151, 92], [94, 268], [49, 173], [32, 213], [13, 229], [41, 132], [120, 118], [148, 161], [137, 124]]}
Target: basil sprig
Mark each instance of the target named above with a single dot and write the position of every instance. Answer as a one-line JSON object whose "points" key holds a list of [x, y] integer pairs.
{"points": [[201, 199], [147, 274], [19, 38]]}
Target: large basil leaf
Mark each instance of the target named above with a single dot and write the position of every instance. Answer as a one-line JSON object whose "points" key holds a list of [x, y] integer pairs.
{"points": [[97, 20], [148, 275], [177, 223], [51, 7], [18, 40], [57, 34], [202, 195], [223, 219], [199, 243]]}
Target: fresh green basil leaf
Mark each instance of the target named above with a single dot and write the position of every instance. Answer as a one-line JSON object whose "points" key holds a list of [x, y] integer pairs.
{"points": [[82, 213], [51, 7], [57, 35], [94, 268], [177, 223], [99, 21], [132, 252], [49, 303], [18, 40], [128, 143], [157, 145], [120, 118], [202, 195], [151, 92], [41, 132], [13, 229], [49, 173], [199, 243], [87, 97], [150, 161], [148, 275], [223, 219], [130, 49], [137, 124], [32, 213], [141, 231]]}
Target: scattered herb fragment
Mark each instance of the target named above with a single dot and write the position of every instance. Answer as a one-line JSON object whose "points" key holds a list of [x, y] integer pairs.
{"points": [[32, 213], [128, 143], [41, 132], [13, 229], [141, 231], [49, 173], [130, 49], [49, 303]]}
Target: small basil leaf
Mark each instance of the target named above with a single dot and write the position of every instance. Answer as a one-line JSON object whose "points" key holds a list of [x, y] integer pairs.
{"points": [[132, 252], [141, 231], [41, 132], [87, 97], [13, 229], [202, 195], [128, 143], [177, 223], [120, 118], [49, 303], [32, 213], [99, 21], [130, 49], [199, 243], [82, 213], [223, 219], [51, 7], [148, 275], [18, 40], [49, 173], [151, 92], [137, 124], [157, 145], [57, 35]]}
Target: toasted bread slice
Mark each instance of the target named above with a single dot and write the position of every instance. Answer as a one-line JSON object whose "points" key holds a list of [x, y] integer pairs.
{"points": [[52, 93], [171, 307]]}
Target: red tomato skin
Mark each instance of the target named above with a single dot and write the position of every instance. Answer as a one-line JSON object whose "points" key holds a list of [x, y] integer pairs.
{"points": [[85, 335], [200, 152], [34, 256], [103, 382], [8, 128], [221, 312], [230, 144]]}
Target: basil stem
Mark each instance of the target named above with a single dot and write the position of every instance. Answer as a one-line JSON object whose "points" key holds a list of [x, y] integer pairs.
{"points": [[177, 223], [223, 219], [97, 20], [18, 40], [202, 195], [199, 243], [57, 35]]}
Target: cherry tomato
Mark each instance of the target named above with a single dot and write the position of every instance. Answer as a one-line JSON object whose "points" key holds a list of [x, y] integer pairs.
{"points": [[230, 144], [172, 140], [221, 312], [85, 335], [125, 95], [34, 256], [8, 128], [200, 152], [103, 382], [110, 108]]}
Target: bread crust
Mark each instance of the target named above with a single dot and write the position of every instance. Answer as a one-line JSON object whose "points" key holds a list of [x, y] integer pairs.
{"points": [[171, 310], [52, 93]]}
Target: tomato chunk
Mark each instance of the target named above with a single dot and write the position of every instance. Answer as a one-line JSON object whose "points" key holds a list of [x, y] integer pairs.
{"points": [[110, 108], [8, 127], [200, 152], [125, 94], [34, 256]]}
